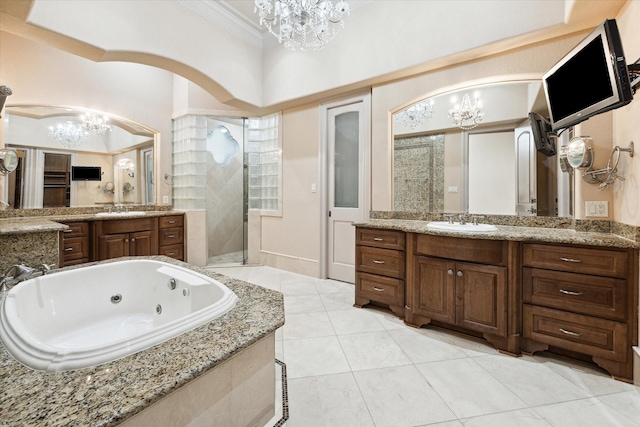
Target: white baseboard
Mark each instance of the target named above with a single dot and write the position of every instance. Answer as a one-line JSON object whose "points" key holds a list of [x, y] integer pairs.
{"points": [[308, 267]]}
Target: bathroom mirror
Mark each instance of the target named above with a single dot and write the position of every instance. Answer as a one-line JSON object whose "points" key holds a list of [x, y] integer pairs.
{"points": [[42, 177], [484, 164]]}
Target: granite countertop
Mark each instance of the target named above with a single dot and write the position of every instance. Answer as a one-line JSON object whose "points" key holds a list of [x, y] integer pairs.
{"points": [[37, 224], [517, 233], [108, 394]]}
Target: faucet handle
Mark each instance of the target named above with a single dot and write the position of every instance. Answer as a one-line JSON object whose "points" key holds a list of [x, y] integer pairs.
{"points": [[448, 217], [476, 218]]}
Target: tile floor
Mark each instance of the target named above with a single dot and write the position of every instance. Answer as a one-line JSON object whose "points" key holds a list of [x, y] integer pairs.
{"points": [[363, 367]]}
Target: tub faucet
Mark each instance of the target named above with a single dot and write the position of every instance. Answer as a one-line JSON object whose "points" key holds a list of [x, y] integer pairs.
{"points": [[19, 273]]}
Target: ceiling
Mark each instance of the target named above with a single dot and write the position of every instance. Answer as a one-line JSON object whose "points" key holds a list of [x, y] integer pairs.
{"points": [[239, 18]]}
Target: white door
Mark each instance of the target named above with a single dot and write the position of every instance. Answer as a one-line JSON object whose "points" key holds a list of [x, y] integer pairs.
{"points": [[347, 180]]}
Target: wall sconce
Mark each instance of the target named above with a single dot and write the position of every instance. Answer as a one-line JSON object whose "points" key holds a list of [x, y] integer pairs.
{"points": [[127, 166]]}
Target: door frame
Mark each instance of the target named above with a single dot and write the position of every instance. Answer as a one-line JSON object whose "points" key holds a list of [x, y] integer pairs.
{"points": [[323, 179]]}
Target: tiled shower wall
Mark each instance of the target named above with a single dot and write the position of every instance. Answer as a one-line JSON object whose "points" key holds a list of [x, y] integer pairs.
{"points": [[418, 164]]}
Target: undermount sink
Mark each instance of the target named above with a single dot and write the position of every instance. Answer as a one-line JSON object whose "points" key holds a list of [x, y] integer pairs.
{"points": [[456, 226], [130, 213]]}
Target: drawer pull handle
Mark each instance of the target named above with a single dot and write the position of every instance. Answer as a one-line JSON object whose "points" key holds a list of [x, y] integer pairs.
{"points": [[171, 222], [570, 292], [171, 236], [378, 239], [450, 272], [570, 260], [378, 289], [378, 261], [573, 334], [171, 253], [68, 231], [68, 249]]}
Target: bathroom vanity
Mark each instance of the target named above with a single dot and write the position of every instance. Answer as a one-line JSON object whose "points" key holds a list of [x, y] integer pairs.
{"points": [[522, 289]]}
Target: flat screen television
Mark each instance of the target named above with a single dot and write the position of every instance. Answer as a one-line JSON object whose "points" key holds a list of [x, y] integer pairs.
{"points": [[86, 173], [542, 135], [591, 79]]}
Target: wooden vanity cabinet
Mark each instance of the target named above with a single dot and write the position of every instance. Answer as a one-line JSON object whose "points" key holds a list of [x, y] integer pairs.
{"points": [[380, 268], [584, 300], [171, 236], [125, 237], [74, 244], [464, 283]]}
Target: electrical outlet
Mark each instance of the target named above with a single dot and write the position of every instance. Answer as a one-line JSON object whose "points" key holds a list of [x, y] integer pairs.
{"points": [[453, 189], [314, 188], [165, 199], [596, 209]]}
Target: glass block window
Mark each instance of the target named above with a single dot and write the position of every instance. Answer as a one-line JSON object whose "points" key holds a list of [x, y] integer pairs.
{"points": [[265, 164], [189, 162]]}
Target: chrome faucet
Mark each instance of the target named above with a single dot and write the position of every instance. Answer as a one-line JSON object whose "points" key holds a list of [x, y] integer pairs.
{"points": [[463, 218], [19, 273]]}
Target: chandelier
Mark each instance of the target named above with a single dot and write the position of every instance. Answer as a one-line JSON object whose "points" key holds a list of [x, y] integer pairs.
{"points": [[94, 124], [415, 115], [302, 24], [465, 115], [68, 135]]}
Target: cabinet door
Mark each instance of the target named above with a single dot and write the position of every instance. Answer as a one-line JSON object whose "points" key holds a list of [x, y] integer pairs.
{"points": [[481, 292], [113, 246], [142, 244], [434, 296]]}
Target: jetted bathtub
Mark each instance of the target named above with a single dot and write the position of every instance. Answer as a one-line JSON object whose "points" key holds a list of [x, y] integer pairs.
{"points": [[92, 315]]}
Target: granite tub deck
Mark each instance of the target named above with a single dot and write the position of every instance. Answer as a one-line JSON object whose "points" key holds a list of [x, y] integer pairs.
{"points": [[504, 232], [112, 393]]}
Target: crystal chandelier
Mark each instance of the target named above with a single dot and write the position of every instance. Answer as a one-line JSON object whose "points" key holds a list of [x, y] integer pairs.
{"points": [[302, 24], [94, 124], [68, 135], [465, 115], [415, 115]]}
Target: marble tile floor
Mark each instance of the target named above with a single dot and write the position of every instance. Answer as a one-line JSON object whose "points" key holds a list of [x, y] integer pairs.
{"points": [[363, 367]]}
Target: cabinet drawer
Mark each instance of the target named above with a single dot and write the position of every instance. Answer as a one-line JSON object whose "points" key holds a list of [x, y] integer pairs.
{"points": [[75, 248], [385, 262], [380, 238], [76, 229], [602, 262], [173, 251], [461, 249], [576, 332], [579, 293], [379, 288], [171, 221], [171, 236]]}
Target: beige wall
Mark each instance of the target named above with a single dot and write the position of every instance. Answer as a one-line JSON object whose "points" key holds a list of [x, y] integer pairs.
{"points": [[626, 127], [292, 241]]}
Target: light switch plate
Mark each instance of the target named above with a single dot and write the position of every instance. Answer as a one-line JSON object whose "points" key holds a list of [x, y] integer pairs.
{"points": [[453, 189], [596, 209], [165, 199]]}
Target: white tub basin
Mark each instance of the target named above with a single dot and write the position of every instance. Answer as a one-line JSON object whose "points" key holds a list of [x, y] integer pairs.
{"points": [[456, 226], [93, 315], [130, 213]]}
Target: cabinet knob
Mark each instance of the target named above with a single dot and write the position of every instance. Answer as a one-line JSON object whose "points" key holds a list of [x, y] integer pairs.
{"points": [[126, 240], [459, 273], [450, 272], [133, 239]]}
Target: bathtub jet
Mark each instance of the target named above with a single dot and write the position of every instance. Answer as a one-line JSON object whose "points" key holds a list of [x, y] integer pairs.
{"points": [[93, 315]]}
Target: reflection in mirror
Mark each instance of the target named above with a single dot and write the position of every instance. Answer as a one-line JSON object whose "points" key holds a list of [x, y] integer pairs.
{"points": [[443, 164], [50, 141]]}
